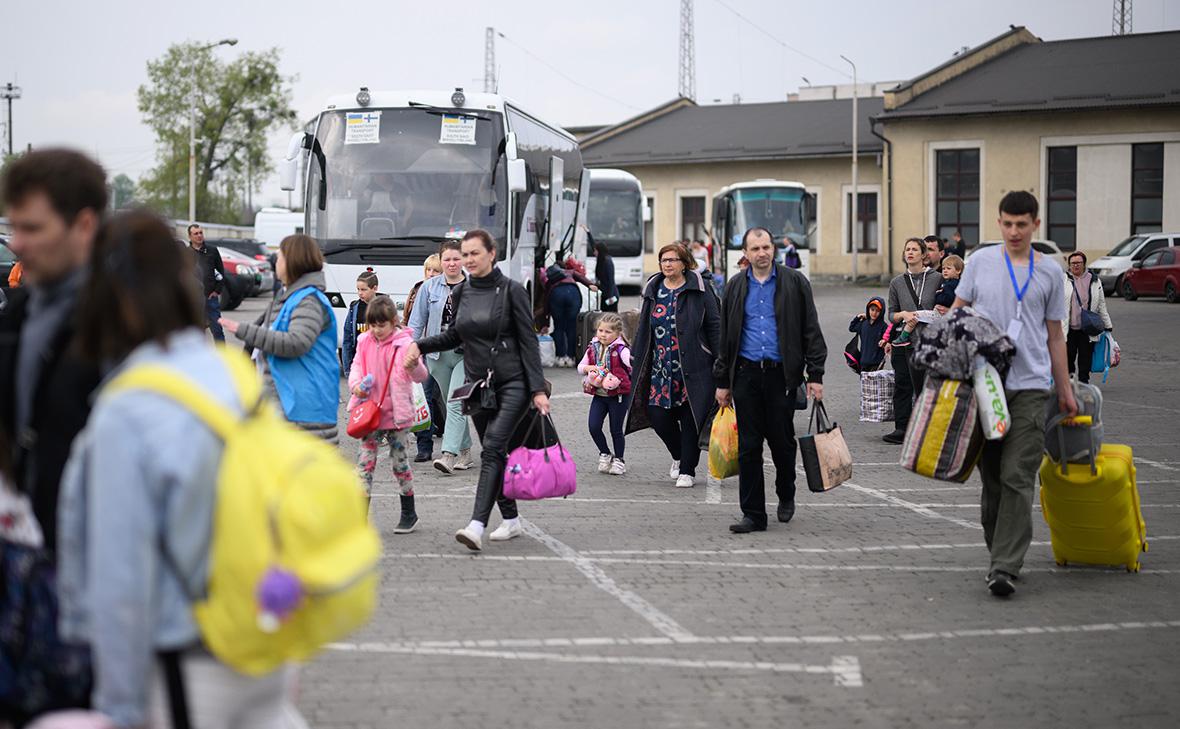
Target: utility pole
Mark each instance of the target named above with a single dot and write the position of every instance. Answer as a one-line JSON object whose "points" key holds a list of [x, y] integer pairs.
{"points": [[688, 62], [489, 61], [192, 131], [855, 224], [1121, 22], [8, 93]]}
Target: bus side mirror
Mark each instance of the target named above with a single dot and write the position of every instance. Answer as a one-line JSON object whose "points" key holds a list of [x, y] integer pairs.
{"points": [[510, 151], [517, 176], [288, 167]]}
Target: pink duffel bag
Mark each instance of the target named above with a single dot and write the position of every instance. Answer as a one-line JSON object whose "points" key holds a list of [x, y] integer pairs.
{"points": [[540, 473]]}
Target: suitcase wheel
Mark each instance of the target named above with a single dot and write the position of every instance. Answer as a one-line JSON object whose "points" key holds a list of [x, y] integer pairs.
{"points": [[1133, 567], [1144, 545], [1062, 563]]}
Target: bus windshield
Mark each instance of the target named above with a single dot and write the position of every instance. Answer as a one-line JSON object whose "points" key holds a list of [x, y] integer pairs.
{"points": [[616, 219], [778, 209], [405, 174]]}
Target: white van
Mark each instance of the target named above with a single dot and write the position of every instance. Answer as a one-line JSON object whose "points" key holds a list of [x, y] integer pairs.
{"points": [[271, 225], [1111, 267]]}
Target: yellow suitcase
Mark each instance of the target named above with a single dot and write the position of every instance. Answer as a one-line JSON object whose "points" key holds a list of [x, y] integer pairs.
{"points": [[1093, 509]]}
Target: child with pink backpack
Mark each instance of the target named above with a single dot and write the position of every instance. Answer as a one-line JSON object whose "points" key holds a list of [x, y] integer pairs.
{"points": [[607, 366], [379, 375]]}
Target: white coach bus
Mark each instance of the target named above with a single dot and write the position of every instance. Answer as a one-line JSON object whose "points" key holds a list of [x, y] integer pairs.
{"points": [[392, 174], [783, 208], [616, 214]]}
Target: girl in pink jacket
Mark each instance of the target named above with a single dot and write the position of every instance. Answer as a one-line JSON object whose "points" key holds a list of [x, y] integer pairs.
{"points": [[380, 354]]}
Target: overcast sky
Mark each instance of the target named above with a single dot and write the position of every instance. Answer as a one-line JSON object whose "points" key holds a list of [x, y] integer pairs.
{"points": [[79, 64]]}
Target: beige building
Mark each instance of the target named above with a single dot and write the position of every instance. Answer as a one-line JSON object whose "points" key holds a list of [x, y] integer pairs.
{"points": [[684, 154], [1090, 126]]}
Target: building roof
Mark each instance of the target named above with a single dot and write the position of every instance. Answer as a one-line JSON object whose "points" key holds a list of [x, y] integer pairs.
{"points": [[1107, 72], [682, 132]]}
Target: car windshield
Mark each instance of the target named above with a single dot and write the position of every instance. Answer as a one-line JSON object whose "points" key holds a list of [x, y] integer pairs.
{"points": [[407, 173], [1128, 246]]}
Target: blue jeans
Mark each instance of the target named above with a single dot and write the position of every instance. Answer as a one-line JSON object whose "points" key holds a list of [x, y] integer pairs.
{"points": [[212, 314], [565, 302]]}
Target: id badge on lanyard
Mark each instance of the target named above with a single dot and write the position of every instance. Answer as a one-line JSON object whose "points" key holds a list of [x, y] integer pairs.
{"points": [[1017, 324]]}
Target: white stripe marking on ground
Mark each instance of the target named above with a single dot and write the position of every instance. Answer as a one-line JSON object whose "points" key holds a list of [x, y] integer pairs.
{"points": [[916, 508], [568, 395], [712, 490], [1157, 464], [658, 620], [845, 669], [1141, 405], [868, 549], [965, 633]]}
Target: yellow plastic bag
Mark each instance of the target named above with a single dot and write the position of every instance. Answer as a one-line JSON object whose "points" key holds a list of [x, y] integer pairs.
{"points": [[723, 444]]}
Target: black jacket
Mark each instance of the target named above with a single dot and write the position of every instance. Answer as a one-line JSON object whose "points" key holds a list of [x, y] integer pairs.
{"points": [[210, 269], [698, 329], [871, 333], [800, 340], [60, 407], [479, 313]]}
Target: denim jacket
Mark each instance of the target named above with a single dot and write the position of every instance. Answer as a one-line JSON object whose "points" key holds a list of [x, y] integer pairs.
{"points": [[141, 478], [426, 316]]}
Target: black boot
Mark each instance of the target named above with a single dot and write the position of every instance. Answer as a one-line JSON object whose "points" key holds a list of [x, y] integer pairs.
{"points": [[409, 520]]}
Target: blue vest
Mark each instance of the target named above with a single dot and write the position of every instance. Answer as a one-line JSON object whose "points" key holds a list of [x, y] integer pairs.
{"points": [[308, 386]]}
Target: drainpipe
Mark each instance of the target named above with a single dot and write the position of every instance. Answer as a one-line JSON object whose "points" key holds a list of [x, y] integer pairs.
{"points": [[888, 189]]}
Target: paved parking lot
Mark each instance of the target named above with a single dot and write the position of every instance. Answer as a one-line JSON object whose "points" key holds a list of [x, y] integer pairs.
{"points": [[631, 605]]}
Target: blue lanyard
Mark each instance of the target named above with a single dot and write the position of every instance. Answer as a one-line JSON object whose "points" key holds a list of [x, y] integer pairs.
{"points": [[1020, 290]]}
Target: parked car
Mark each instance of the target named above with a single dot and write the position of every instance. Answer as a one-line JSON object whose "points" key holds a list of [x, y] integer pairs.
{"points": [[253, 250], [1111, 267], [242, 279], [1044, 247], [8, 259], [1156, 275]]}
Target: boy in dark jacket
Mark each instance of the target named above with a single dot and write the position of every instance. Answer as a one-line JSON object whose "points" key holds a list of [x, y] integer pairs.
{"points": [[871, 327]]}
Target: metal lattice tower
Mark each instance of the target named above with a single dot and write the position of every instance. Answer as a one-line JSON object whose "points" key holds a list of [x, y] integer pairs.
{"points": [[489, 62], [1121, 22], [688, 60]]}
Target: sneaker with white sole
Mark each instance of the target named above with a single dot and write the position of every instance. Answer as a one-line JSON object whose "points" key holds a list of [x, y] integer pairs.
{"points": [[684, 481], [604, 460], [508, 529], [446, 464], [464, 461], [617, 467], [469, 539], [674, 471]]}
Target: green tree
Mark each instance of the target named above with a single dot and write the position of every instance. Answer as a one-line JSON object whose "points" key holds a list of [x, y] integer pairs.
{"points": [[237, 104], [122, 191]]}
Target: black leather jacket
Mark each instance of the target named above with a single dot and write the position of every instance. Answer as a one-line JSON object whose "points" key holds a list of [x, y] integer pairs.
{"points": [[480, 312]]}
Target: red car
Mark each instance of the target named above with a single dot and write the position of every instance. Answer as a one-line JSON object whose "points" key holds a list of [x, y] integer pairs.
{"points": [[1156, 275]]}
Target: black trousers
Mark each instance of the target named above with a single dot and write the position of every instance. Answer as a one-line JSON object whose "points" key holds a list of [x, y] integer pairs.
{"points": [[495, 427], [908, 381], [678, 429], [1079, 349], [764, 413]]}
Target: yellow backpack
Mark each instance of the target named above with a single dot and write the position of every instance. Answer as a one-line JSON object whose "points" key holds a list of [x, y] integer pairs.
{"points": [[285, 500]]}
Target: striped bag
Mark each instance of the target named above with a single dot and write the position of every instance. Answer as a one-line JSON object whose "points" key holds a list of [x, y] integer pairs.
{"points": [[944, 440]]}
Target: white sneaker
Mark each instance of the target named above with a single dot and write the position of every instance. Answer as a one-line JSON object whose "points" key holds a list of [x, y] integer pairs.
{"points": [[469, 539], [674, 472], [464, 460], [508, 529], [617, 467], [446, 464], [604, 460], [684, 481]]}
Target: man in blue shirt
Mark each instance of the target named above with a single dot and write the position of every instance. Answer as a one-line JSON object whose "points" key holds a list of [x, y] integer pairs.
{"points": [[769, 334]]}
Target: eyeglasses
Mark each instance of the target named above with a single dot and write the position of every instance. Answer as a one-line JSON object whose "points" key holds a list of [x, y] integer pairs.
{"points": [[670, 260]]}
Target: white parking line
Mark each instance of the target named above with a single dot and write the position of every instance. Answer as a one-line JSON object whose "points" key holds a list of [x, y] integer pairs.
{"points": [[1157, 464], [1141, 405], [916, 508], [658, 620], [712, 490], [844, 669], [853, 638], [867, 549]]}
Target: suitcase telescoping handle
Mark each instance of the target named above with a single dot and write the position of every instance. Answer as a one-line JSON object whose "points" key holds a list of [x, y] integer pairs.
{"points": [[1075, 421]]}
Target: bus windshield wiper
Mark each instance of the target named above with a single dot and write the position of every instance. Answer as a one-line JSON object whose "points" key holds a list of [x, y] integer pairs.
{"points": [[431, 109]]}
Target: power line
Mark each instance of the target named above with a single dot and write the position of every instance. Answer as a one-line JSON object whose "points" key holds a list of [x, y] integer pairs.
{"points": [[782, 43], [561, 73]]}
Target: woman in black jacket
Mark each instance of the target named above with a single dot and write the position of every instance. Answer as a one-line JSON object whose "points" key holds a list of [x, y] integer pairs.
{"points": [[678, 338], [604, 272], [494, 325]]}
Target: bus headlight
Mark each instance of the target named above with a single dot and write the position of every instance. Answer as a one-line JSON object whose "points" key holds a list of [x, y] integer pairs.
{"points": [[363, 98], [336, 300], [457, 98]]}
